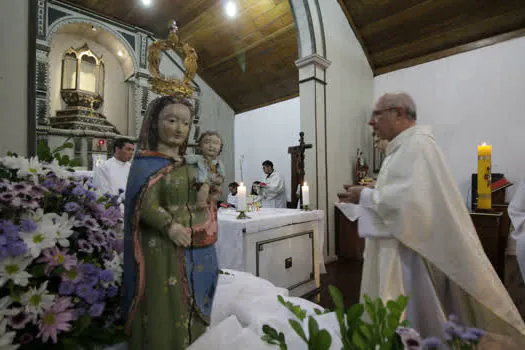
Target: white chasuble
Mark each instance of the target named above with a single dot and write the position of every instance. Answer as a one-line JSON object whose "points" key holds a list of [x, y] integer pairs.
{"points": [[517, 217], [274, 193], [112, 176], [420, 242]]}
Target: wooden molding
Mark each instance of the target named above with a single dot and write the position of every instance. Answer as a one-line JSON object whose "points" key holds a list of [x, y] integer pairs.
{"points": [[450, 52], [277, 100], [356, 32]]}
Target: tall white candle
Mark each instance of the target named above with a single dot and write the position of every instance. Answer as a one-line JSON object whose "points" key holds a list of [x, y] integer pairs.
{"points": [[241, 197], [306, 194]]}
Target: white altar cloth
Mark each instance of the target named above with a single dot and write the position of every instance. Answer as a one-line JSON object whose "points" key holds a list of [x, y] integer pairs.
{"points": [[230, 244]]}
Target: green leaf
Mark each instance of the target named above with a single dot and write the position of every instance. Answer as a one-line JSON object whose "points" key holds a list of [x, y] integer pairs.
{"points": [[270, 331], [322, 341], [298, 329], [37, 270], [359, 341], [64, 160], [337, 297], [313, 326], [318, 312], [355, 312]]}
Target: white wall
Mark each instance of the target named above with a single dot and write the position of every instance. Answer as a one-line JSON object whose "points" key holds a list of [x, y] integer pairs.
{"points": [[13, 76], [266, 133], [349, 96], [115, 106], [470, 98]]}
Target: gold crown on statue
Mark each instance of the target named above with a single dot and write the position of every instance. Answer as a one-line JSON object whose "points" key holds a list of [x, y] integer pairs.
{"points": [[159, 83]]}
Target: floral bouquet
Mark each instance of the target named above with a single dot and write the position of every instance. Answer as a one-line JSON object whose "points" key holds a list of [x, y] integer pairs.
{"points": [[60, 259]]}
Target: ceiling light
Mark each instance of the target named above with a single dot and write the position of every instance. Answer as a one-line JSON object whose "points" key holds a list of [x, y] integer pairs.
{"points": [[119, 53], [146, 2], [231, 9]]}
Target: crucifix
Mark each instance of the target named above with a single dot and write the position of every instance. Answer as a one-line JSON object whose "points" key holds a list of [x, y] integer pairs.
{"points": [[297, 158]]}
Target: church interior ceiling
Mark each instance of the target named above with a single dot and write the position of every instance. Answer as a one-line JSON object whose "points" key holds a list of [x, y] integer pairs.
{"points": [[249, 59]]}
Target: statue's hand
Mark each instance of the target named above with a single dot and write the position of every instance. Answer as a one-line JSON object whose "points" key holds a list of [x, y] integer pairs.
{"points": [[178, 160], [179, 235], [217, 179]]}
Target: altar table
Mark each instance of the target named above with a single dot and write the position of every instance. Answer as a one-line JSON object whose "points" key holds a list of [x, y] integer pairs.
{"points": [[283, 246]]}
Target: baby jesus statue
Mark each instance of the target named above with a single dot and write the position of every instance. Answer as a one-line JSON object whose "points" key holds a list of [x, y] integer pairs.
{"points": [[210, 170]]}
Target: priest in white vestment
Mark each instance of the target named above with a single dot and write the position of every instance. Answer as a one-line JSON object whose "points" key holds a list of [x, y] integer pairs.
{"points": [[517, 216], [420, 240], [273, 190], [112, 175]]}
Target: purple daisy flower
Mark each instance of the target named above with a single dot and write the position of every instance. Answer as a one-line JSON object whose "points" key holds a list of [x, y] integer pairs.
{"points": [[28, 225], [22, 188], [97, 239], [31, 204], [96, 309], [78, 191], [17, 248], [71, 207], [84, 246], [89, 269], [7, 196], [83, 290], [66, 288], [20, 320], [91, 195], [432, 343], [111, 291], [38, 191], [106, 276]]}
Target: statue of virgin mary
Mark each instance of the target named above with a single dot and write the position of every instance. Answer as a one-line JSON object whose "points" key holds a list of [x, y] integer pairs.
{"points": [[170, 264]]}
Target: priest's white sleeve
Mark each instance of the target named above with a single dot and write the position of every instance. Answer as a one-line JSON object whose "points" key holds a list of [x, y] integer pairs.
{"points": [[101, 179], [370, 224], [274, 187]]}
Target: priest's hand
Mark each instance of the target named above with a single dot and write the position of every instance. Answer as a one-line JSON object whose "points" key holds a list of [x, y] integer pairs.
{"points": [[352, 195], [179, 235]]}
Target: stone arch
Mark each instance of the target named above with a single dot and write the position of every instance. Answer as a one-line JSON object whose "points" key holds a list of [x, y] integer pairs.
{"points": [[55, 26], [312, 65], [309, 26]]}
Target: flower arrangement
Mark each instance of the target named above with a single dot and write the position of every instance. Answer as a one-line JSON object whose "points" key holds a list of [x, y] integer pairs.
{"points": [[383, 329], [60, 258]]}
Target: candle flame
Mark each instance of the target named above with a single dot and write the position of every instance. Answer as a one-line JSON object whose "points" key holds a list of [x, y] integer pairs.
{"points": [[242, 184], [484, 144], [305, 184]]}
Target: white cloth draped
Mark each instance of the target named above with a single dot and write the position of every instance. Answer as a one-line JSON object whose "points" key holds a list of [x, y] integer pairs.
{"points": [[274, 193], [517, 216], [433, 254], [111, 176], [243, 303]]}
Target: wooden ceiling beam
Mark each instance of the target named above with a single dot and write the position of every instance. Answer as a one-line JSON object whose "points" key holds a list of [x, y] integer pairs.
{"points": [[356, 32], [453, 51], [251, 46]]}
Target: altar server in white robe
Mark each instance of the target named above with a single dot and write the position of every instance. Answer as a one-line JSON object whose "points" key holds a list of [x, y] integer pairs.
{"points": [[517, 216], [112, 175], [420, 240], [273, 190]]}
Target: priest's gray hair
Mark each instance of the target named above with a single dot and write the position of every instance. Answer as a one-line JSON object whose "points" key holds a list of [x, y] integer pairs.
{"points": [[398, 100]]}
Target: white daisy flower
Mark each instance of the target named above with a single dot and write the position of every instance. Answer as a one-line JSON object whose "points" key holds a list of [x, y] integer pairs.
{"points": [[59, 170], [115, 265], [36, 301], [14, 268], [42, 238], [64, 225], [172, 281], [6, 338]]}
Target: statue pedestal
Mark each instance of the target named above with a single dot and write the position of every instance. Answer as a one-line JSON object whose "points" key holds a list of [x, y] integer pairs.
{"points": [[80, 118]]}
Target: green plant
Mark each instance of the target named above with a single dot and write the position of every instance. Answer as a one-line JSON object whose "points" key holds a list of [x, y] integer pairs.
{"points": [[46, 154], [356, 333]]}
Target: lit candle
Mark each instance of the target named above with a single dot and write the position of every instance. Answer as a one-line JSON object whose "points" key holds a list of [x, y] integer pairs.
{"points": [[306, 194], [241, 197], [484, 174]]}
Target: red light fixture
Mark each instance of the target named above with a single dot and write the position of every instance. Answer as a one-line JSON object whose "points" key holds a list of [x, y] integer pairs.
{"points": [[101, 142]]}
